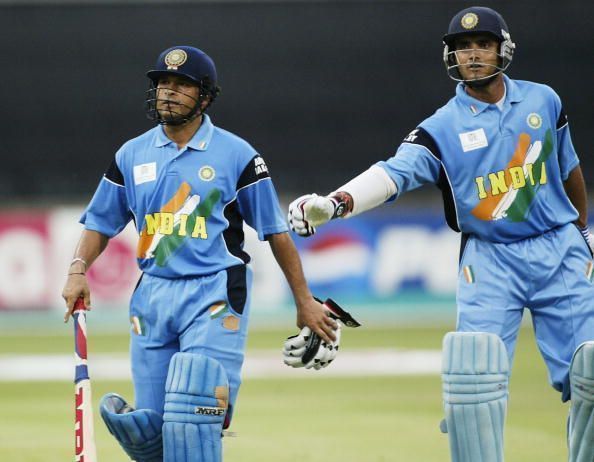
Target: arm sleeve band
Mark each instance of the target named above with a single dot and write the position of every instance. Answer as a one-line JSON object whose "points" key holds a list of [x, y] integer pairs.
{"points": [[371, 188]]}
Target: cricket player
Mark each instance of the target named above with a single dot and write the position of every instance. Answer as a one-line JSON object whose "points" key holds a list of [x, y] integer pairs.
{"points": [[189, 187], [501, 153]]}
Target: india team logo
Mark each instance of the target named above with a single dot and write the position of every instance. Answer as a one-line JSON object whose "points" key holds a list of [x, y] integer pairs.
{"points": [[175, 58], [534, 120], [206, 173], [469, 21]]}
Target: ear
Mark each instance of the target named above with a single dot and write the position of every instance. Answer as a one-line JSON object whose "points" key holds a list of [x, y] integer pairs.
{"points": [[204, 104]]}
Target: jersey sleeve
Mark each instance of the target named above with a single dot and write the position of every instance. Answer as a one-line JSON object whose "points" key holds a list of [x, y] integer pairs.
{"points": [[108, 212], [257, 200], [568, 159], [416, 162]]}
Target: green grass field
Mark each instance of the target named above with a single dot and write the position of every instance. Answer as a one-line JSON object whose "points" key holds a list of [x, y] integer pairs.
{"points": [[360, 419]]}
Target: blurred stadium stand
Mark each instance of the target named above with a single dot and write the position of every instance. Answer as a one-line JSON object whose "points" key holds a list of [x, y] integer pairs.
{"points": [[321, 88]]}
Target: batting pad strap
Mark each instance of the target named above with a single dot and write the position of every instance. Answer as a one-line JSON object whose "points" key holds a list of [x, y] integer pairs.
{"points": [[196, 401], [581, 415], [475, 372], [371, 188], [137, 431]]}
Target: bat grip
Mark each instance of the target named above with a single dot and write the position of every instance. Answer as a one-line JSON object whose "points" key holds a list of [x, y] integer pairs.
{"points": [[79, 305]]}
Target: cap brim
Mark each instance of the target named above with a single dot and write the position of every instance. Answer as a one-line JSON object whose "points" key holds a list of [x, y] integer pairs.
{"points": [[449, 38], [155, 75]]}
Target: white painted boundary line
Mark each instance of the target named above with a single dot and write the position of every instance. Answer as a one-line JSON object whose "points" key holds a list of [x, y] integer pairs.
{"points": [[258, 364]]}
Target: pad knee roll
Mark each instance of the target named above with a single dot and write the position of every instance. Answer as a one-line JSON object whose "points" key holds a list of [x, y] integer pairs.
{"points": [[137, 431], [581, 416], [196, 401], [475, 374]]}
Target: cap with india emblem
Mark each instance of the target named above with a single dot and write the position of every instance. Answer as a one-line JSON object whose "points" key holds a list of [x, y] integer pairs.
{"points": [[185, 61], [476, 19]]}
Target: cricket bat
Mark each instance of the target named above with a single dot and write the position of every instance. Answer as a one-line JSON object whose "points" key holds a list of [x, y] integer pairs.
{"points": [[84, 435]]}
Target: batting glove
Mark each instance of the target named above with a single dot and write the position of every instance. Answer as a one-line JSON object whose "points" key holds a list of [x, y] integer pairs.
{"points": [[309, 211], [307, 349]]}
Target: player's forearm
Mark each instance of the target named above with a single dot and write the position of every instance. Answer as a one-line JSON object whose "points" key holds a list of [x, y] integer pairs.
{"points": [[89, 247], [287, 257], [575, 187], [366, 191]]}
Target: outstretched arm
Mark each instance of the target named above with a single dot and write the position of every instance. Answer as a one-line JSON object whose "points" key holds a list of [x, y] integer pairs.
{"points": [[310, 313], [364, 192], [89, 247]]}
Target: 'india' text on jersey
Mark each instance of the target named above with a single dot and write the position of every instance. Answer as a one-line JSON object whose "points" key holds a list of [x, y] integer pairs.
{"points": [[188, 205], [500, 170]]}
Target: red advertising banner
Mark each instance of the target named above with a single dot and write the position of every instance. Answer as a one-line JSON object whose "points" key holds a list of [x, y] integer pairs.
{"points": [[35, 251]]}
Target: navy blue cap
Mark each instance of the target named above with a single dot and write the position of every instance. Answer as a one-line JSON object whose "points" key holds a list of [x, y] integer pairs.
{"points": [[185, 61], [476, 19]]}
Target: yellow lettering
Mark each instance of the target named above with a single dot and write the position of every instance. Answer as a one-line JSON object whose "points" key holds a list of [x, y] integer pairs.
{"points": [[200, 228], [543, 173], [498, 185], [480, 184], [166, 223], [183, 220], [530, 173], [517, 177], [152, 223]]}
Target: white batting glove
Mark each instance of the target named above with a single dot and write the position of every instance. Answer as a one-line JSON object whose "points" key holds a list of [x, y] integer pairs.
{"points": [[307, 349], [310, 351], [309, 211]]}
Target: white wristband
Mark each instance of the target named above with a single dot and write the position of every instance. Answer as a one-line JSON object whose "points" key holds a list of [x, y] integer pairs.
{"points": [[371, 188], [74, 260]]}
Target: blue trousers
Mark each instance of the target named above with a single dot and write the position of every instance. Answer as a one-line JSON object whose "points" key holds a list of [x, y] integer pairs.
{"points": [[551, 275], [206, 315]]}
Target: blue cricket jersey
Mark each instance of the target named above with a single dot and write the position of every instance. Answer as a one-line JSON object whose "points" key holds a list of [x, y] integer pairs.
{"points": [[501, 171], [188, 206]]}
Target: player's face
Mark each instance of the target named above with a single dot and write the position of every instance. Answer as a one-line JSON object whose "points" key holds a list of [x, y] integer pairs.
{"points": [[477, 55], [176, 96]]}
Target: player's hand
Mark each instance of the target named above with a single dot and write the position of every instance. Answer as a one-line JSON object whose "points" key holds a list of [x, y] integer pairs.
{"points": [[316, 316], [76, 287], [308, 349], [309, 211]]}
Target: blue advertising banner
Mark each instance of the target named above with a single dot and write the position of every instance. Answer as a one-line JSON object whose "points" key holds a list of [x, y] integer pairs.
{"points": [[379, 256]]}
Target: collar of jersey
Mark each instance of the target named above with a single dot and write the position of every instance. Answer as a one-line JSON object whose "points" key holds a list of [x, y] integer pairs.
{"points": [[199, 141], [513, 95]]}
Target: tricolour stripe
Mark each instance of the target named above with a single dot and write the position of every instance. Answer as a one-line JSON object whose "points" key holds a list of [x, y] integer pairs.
{"points": [[174, 204], [469, 274], [590, 271]]}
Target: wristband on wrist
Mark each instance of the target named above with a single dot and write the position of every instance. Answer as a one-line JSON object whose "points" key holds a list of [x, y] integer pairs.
{"points": [[74, 260], [70, 274], [343, 204]]}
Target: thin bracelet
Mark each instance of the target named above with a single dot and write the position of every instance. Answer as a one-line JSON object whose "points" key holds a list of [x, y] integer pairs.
{"points": [[74, 260], [70, 274]]}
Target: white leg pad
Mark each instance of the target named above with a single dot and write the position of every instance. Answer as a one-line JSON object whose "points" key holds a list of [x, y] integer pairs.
{"points": [[581, 415], [475, 374]]}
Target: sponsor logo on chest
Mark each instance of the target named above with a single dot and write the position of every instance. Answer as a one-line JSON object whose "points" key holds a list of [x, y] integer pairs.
{"points": [[144, 173], [475, 139]]}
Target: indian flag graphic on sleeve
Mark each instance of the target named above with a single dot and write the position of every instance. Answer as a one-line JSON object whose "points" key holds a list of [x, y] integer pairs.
{"points": [[185, 209], [522, 189]]}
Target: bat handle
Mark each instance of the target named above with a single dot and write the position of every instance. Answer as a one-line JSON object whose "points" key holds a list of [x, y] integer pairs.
{"points": [[79, 305]]}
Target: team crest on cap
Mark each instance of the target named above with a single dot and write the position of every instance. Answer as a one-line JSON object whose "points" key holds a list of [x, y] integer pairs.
{"points": [[469, 21], [534, 120], [175, 58], [206, 173]]}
